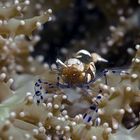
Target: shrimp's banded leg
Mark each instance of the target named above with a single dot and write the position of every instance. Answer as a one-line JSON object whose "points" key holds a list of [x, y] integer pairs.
{"points": [[38, 97], [92, 113], [87, 118], [117, 71], [105, 73], [38, 92]]}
